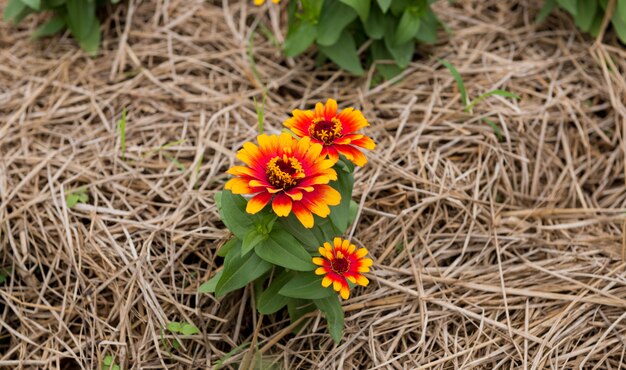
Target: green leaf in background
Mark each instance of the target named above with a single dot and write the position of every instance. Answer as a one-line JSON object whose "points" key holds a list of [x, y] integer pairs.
{"points": [[340, 214], [49, 28], [77, 196], [621, 10], [428, 28], [34, 4], [270, 301], [13, 9], [331, 308], [494, 127], [230, 244], [402, 54], [374, 25], [380, 53], [384, 5], [344, 54], [484, 96], [252, 239], [239, 270], [189, 329], [312, 239], [91, 43], [619, 25], [282, 249], [306, 285], [173, 326], [232, 208], [585, 13], [299, 38], [545, 11], [569, 5], [459, 81], [209, 286], [407, 28], [298, 308], [362, 7], [83, 24], [337, 16]]}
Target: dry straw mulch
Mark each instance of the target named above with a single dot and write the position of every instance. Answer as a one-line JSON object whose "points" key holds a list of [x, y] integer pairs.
{"points": [[489, 253]]}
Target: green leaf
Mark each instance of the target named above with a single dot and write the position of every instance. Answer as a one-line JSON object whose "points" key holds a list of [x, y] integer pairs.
{"points": [[300, 38], [407, 28], [83, 24], [209, 286], [77, 196], [232, 208], [428, 28], [484, 96], [108, 360], [270, 301], [459, 81], [121, 126], [569, 5], [344, 53], [494, 127], [306, 286], [49, 28], [620, 26], [384, 5], [91, 43], [362, 7], [189, 329], [380, 53], [586, 11], [252, 239], [402, 54], [311, 238], [621, 10], [375, 24], [174, 326], [34, 4], [282, 249], [230, 244], [240, 270], [331, 308], [545, 11], [340, 214], [336, 16], [13, 9], [298, 308]]}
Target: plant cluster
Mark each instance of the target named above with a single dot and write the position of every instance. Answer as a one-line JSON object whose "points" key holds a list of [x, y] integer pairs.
{"points": [[78, 16], [388, 29], [287, 229], [589, 14]]}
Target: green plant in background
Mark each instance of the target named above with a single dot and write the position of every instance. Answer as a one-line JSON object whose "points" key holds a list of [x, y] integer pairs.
{"points": [[79, 16], [77, 196], [388, 28], [109, 364], [588, 14]]}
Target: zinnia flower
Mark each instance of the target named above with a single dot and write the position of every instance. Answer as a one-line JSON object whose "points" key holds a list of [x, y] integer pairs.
{"points": [[342, 261], [261, 2], [334, 130], [289, 171]]}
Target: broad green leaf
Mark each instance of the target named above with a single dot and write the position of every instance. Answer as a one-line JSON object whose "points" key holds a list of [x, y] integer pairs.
{"points": [[621, 10], [484, 96], [300, 38], [189, 329], [306, 285], [174, 327], [252, 239], [336, 16], [428, 28], [340, 214], [331, 308], [270, 301], [298, 308], [49, 28], [619, 25], [459, 81], [240, 270], [13, 9], [312, 239], [232, 208], [375, 24], [83, 24], [380, 53], [230, 244], [586, 11], [209, 286], [407, 28], [545, 11], [344, 53], [280, 248], [569, 5], [384, 5], [34, 4], [311, 9], [362, 7], [91, 43], [402, 54]]}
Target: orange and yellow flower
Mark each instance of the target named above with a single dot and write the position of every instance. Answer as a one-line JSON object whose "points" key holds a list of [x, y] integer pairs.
{"points": [[288, 172], [342, 261], [261, 2], [334, 130]]}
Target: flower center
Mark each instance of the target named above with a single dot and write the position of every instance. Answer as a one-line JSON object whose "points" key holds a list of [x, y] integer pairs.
{"points": [[283, 172], [325, 131], [340, 265]]}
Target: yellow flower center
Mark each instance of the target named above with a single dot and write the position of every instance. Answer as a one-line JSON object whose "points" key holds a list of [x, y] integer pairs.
{"points": [[283, 172], [340, 265], [325, 131]]}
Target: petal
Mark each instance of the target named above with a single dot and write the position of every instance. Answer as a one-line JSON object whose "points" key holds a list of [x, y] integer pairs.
{"points": [[303, 214], [326, 281], [352, 120], [353, 154], [333, 155], [337, 242], [319, 110], [281, 205], [362, 280], [365, 142], [337, 285], [330, 110], [321, 271], [351, 278], [318, 261], [285, 141], [351, 248], [241, 171], [361, 253], [258, 202], [363, 269], [239, 186], [294, 194], [345, 292]]}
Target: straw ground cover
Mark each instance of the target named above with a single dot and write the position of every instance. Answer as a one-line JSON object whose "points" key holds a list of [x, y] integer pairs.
{"points": [[488, 253]]}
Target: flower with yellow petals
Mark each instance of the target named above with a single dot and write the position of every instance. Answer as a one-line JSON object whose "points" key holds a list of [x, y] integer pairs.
{"points": [[334, 130], [342, 261], [288, 172], [261, 2]]}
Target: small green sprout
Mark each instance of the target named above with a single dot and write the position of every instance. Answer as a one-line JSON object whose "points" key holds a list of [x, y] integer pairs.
{"points": [[77, 196], [109, 364]]}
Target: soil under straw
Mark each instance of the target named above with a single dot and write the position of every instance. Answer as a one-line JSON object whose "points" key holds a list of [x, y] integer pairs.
{"points": [[489, 254]]}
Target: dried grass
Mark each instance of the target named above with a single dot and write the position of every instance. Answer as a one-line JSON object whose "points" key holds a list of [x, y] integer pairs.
{"points": [[488, 254]]}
